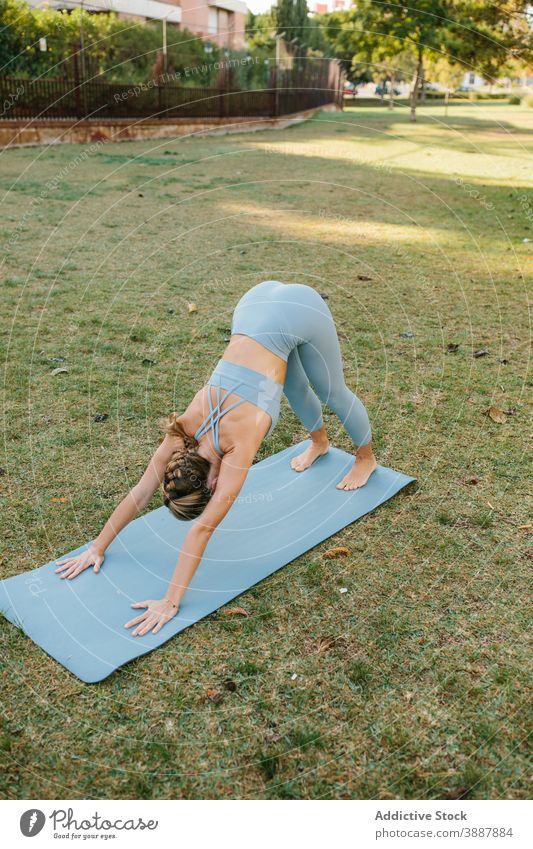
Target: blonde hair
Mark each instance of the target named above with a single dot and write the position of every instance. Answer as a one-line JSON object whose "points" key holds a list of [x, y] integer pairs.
{"points": [[184, 488]]}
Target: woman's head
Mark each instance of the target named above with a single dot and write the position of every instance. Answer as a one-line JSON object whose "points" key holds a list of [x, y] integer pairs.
{"points": [[185, 490]]}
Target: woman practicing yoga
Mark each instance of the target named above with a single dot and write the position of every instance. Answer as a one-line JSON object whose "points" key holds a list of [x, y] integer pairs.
{"points": [[283, 338]]}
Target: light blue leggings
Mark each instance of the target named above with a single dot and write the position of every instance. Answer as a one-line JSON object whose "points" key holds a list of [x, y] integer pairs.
{"points": [[323, 368], [293, 321]]}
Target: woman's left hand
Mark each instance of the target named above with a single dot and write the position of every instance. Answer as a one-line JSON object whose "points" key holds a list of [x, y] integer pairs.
{"points": [[159, 612]]}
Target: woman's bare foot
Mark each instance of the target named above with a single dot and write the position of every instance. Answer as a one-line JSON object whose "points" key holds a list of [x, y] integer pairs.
{"points": [[318, 447], [365, 464]]}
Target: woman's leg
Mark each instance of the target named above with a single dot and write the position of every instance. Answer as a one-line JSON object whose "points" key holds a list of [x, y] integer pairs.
{"points": [[308, 409], [322, 362]]}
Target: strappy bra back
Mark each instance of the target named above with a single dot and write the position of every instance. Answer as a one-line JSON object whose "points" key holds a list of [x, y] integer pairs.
{"points": [[249, 385], [212, 420]]}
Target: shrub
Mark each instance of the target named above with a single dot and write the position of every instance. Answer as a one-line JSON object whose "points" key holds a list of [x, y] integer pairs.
{"points": [[515, 100], [115, 50], [489, 95], [528, 101]]}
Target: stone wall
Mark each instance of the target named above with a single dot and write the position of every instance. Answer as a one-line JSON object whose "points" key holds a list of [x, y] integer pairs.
{"points": [[23, 133]]}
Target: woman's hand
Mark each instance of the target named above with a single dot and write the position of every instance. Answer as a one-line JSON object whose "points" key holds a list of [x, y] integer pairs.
{"points": [[72, 566], [158, 614]]}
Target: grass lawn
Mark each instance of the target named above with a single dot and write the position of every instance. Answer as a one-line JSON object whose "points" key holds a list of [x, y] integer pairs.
{"points": [[414, 683]]}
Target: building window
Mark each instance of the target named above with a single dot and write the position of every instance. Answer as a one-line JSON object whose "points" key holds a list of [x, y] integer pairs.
{"points": [[212, 20]]}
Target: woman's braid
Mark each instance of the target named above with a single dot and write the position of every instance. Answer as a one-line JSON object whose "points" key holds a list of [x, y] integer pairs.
{"points": [[184, 487]]}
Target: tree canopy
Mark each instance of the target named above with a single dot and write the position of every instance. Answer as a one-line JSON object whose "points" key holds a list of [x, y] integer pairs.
{"points": [[291, 18], [481, 37]]}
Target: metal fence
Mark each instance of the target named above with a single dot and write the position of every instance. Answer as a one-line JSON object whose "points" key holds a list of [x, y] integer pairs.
{"points": [[55, 99]]}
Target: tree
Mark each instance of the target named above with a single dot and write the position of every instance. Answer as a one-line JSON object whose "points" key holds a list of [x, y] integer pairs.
{"points": [[17, 32], [447, 74], [489, 38], [260, 30], [121, 53], [315, 37], [482, 35], [401, 66], [379, 32], [291, 19]]}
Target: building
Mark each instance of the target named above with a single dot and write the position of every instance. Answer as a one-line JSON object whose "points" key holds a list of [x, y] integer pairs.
{"points": [[220, 21], [473, 81], [324, 6]]}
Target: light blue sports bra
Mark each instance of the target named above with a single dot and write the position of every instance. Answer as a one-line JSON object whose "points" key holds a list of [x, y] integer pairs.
{"points": [[249, 385]]}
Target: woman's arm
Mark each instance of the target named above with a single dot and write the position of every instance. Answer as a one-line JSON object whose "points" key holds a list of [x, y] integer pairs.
{"points": [[233, 471], [139, 496], [130, 507]]}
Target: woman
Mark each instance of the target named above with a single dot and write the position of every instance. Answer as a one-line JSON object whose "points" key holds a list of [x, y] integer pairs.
{"points": [[282, 338]]}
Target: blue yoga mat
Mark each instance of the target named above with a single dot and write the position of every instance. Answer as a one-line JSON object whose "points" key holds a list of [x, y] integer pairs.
{"points": [[278, 515]]}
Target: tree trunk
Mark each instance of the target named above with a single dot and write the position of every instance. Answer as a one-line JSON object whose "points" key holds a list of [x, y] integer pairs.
{"points": [[416, 85], [391, 92]]}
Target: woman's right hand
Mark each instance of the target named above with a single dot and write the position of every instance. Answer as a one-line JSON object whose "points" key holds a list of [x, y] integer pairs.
{"points": [[72, 566]]}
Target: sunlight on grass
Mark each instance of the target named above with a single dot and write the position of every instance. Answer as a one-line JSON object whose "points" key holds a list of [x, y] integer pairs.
{"points": [[330, 227], [434, 146]]}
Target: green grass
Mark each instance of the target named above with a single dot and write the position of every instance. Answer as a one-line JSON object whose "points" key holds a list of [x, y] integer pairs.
{"points": [[412, 684]]}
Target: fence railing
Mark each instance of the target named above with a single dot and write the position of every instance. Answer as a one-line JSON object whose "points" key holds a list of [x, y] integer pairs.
{"points": [[82, 100]]}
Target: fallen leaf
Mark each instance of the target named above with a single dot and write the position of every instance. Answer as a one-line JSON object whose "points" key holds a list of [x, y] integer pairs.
{"points": [[496, 415], [192, 308], [59, 500], [460, 793], [230, 685], [525, 527], [213, 695], [236, 611], [481, 353], [453, 347], [340, 551], [363, 277], [324, 643], [60, 371]]}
